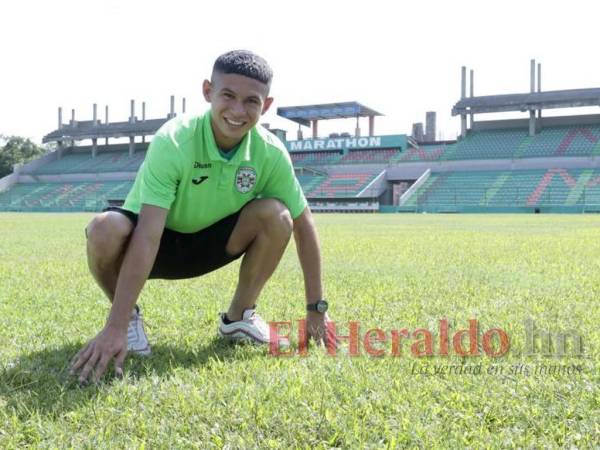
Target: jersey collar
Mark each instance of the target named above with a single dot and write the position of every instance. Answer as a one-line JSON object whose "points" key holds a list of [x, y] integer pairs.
{"points": [[242, 154]]}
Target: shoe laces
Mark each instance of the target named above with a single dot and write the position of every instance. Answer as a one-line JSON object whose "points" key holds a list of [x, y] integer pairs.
{"points": [[136, 318], [253, 317], [257, 321]]}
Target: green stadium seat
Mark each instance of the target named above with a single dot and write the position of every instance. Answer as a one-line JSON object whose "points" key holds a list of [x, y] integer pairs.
{"points": [[552, 187], [57, 197], [81, 161]]}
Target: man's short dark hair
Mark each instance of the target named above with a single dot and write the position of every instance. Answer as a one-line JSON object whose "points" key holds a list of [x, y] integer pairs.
{"points": [[246, 63]]}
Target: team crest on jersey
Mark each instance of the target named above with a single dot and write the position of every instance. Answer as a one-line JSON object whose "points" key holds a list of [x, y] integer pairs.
{"points": [[245, 179]]}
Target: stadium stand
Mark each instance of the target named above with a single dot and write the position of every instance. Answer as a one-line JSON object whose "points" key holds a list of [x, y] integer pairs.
{"points": [[310, 182], [520, 165], [45, 189], [79, 162], [82, 196], [340, 176], [369, 156], [527, 188], [424, 153], [516, 143], [343, 184], [495, 144], [564, 141], [315, 158], [506, 143]]}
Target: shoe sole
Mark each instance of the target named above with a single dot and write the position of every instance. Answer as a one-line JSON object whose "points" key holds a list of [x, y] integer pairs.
{"points": [[143, 352], [246, 336]]}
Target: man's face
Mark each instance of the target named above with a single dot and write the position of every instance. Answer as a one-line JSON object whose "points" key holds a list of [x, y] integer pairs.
{"points": [[237, 102]]}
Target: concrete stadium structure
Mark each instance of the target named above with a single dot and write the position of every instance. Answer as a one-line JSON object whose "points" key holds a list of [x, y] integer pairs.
{"points": [[539, 164]]}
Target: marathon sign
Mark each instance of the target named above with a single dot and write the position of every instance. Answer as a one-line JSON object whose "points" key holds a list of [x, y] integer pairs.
{"points": [[348, 143]]}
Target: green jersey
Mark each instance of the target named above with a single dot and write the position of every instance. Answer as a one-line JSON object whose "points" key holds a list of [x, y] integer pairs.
{"points": [[185, 173]]}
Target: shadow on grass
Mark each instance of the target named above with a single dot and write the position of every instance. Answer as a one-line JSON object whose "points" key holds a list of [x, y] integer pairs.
{"points": [[40, 381]]}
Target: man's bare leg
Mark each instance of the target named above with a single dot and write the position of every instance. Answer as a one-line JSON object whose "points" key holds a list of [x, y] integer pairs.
{"points": [[107, 237], [263, 230]]}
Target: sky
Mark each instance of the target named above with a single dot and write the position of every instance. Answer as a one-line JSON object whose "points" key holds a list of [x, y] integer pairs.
{"points": [[398, 58]]}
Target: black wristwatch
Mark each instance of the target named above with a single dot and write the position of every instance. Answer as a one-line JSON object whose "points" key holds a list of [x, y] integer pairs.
{"points": [[321, 306]]}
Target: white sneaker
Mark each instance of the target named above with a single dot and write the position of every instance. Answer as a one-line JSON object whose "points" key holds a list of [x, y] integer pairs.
{"points": [[137, 342], [252, 328]]}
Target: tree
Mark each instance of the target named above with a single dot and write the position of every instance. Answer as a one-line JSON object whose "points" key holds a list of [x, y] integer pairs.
{"points": [[16, 149]]}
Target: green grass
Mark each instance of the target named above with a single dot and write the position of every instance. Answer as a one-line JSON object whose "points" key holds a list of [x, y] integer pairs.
{"points": [[386, 271]]}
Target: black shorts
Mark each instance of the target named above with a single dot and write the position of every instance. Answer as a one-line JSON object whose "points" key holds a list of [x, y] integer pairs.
{"points": [[189, 255]]}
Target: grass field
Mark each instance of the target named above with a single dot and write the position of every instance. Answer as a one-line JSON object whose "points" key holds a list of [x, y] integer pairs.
{"points": [[385, 271]]}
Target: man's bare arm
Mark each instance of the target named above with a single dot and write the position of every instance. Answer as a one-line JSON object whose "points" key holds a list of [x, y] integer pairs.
{"points": [[139, 258], [309, 254]]}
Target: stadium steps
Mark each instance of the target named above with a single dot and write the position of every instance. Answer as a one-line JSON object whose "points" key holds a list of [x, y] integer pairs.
{"points": [[88, 196], [523, 147], [540, 188], [316, 158], [66, 192], [552, 177], [508, 189], [310, 182], [422, 153], [369, 156], [84, 193], [553, 187], [489, 144], [449, 150], [516, 143], [412, 201], [507, 143], [466, 188], [429, 188], [582, 181], [592, 191], [451, 155], [341, 185], [117, 189], [80, 162], [517, 189], [564, 141], [493, 190], [577, 142]]}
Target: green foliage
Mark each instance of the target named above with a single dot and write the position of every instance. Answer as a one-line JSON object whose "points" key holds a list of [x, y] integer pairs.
{"points": [[386, 271], [16, 149]]}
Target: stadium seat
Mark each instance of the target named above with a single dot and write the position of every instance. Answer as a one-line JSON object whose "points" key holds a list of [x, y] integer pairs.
{"points": [[552, 187], [343, 184], [423, 153], [516, 143], [82, 162], [369, 156], [83, 196], [315, 158]]}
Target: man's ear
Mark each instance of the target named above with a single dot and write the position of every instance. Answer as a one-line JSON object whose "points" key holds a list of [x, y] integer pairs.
{"points": [[207, 90], [267, 104]]}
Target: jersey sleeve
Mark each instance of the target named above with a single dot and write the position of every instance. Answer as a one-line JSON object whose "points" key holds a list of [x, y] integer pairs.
{"points": [[161, 173], [284, 186]]}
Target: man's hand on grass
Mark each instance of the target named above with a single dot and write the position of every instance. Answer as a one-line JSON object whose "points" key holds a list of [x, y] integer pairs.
{"points": [[93, 359], [317, 328]]}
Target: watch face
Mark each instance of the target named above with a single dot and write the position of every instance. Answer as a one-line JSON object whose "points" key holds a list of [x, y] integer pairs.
{"points": [[322, 307]]}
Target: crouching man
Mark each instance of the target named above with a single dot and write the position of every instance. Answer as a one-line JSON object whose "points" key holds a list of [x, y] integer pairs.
{"points": [[211, 189]]}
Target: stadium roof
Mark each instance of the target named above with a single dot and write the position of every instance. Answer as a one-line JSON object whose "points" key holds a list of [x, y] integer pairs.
{"points": [[527, 102], [346, 110], [89, 130]]}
